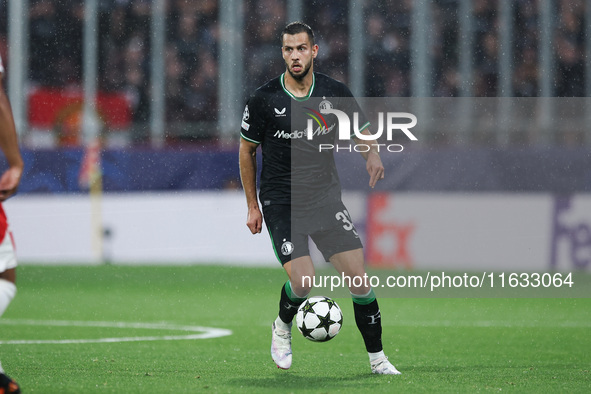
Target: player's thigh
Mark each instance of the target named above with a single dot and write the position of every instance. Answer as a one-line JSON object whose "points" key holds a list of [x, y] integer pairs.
{"points": [[336, 232], [352, 265]]}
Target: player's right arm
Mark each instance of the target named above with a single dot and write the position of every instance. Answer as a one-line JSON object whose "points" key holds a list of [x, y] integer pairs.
{"points": [[248, 176], [10, 179]]}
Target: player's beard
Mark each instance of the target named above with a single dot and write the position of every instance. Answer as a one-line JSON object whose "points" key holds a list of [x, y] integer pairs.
{"points": [[303, 73]]}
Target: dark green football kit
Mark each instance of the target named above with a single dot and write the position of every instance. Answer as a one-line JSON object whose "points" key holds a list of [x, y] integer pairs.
{"points": [[300, 190]]}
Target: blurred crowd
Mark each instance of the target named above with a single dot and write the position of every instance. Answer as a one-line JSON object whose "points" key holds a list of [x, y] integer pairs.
{"points": [[388, 51], [191, 58]]}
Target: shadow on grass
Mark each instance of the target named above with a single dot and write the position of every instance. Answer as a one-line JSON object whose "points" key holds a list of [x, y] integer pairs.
{"points": [[287, 379]]}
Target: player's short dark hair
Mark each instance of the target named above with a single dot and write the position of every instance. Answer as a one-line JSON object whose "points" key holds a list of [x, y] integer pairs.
{"points": [[296, 28]]}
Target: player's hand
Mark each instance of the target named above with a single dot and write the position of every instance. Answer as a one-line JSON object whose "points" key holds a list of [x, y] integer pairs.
{"points": [[254, 221], [9, 182], [375, 168]]}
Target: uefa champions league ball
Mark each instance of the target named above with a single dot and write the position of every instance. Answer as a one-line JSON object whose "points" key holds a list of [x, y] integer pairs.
{"points": [[319, 319]]}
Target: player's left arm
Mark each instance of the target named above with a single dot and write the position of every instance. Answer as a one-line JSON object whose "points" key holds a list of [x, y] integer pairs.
{"points": [[10, 179], [373, 164]]}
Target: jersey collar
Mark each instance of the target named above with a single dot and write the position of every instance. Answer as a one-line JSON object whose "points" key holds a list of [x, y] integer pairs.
{"points": [[306, 97]]}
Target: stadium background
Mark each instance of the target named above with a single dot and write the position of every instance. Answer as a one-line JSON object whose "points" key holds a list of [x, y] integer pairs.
{"points": [[170, 80], [498, 183]]}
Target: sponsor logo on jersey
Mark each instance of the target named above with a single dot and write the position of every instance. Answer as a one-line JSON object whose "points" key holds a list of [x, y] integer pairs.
{"points": [[279, 113], [302, 133], [293, 135], [317, 116]]}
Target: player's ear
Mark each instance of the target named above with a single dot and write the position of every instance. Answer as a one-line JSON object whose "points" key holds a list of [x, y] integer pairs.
{"points": [[314, 50]]}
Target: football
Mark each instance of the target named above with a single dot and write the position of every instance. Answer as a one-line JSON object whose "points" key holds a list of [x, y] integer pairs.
{"points": [[319, 319]]}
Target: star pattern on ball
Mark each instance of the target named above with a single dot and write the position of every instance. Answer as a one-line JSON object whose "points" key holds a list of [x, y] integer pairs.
{"points": [[331, 302], [306, 331], [325, 321], [309, 307]]}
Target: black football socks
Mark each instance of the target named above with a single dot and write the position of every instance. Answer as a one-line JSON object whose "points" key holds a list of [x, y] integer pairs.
{"points": [[289, 303], [369, 320]]}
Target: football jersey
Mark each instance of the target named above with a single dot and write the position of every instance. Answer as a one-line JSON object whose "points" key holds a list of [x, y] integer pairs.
{"points": [[295, 170]]}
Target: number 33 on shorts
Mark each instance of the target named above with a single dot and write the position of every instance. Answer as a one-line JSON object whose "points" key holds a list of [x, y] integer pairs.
{"points": [[344, 217]]}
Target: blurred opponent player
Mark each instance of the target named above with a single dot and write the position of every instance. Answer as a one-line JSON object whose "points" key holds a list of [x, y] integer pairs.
{"points": [[268, 121], [9, 182]]}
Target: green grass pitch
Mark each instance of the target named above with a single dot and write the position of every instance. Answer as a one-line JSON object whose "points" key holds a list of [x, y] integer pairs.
{"points": [[440, 345]]}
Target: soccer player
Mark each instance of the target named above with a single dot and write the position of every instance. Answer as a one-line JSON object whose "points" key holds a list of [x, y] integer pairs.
{"points": [[300, 192], [9, 182]]}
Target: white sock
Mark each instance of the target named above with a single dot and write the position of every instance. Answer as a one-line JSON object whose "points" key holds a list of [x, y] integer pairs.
{"points": [[375, 356], [282, 325], [7, 293]]}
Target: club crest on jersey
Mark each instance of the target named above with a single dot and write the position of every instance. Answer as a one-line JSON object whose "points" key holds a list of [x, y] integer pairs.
{"points": [[287, 248], [324, 105], [279, 113]]}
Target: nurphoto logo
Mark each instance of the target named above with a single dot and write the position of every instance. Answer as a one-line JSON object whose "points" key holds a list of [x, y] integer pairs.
{"points": [[392, 124]]}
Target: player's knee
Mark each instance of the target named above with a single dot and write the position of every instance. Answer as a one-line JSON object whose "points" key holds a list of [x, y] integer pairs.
{"points": [[302, 284], [357, 281], [301, 277], [301, 288]]}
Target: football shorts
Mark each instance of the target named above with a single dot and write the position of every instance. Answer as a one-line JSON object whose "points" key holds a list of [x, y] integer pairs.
{"points": [[330, 227]]}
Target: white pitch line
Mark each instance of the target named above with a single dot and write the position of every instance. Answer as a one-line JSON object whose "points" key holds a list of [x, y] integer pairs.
{"points": [[204, 332]]}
